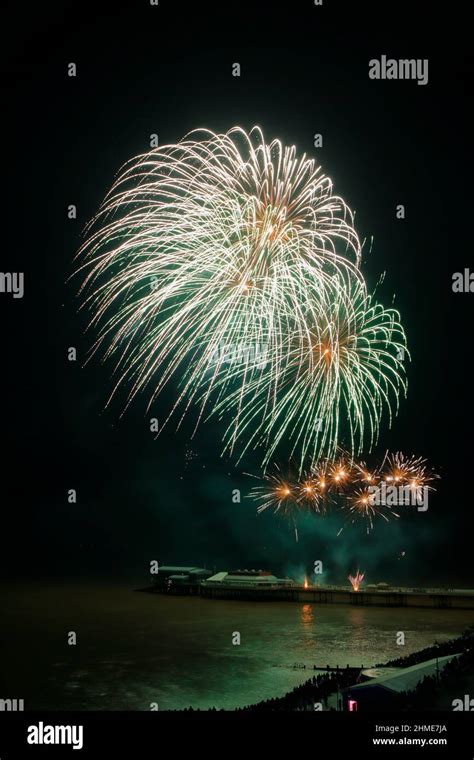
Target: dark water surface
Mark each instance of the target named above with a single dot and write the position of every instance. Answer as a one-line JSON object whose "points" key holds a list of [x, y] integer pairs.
{"points": [[134, 649]]}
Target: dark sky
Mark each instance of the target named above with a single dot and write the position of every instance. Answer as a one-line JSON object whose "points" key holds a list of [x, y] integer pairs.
{"points": [[167, 69]]}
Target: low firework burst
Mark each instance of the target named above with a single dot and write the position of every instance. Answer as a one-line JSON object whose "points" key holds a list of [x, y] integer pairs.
{"points": [[360, 505], [276, 493], [286, 496], [341, 474], [308, 494], [354, 489], [413, 472], [369, 476]]}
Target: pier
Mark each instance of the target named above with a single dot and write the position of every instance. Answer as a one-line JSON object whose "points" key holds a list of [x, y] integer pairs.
{"points": [[263, 586], [431, 598]]}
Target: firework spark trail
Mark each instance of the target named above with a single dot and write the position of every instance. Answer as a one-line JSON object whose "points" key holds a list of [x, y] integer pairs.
{"points": [[361, 506], [345, 370], [345, 485], [401, 470], [225, 240], [356, 580]]}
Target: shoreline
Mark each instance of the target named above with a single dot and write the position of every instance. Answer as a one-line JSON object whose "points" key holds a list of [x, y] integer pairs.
{"points": [[321, 693]]}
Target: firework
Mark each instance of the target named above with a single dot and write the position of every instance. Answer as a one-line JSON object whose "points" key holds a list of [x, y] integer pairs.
{"points": [[276, 493], [322, 479], [309, 496], [227, 265], [286, 496], [412, 472], [361, 505], [332, 386], [340, 473], [356, 580], [368, 476], [357, 491]]}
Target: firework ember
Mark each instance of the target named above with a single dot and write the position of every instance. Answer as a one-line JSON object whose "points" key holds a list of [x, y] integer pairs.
{"points": [[356, 580], [360, 492]]}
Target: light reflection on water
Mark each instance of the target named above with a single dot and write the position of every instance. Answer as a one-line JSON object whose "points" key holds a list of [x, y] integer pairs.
{"points": [[134, 649]]}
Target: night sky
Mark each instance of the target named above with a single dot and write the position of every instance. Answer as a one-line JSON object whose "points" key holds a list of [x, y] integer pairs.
{"points": [[167, 70]]}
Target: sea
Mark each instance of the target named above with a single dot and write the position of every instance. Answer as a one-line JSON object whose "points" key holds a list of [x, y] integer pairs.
{"points": [[102, 646]]}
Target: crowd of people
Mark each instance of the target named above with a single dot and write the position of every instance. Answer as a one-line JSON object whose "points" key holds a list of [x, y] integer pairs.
{"points": [[309, 695], [434, 689], [453, 646], [313, 694]]}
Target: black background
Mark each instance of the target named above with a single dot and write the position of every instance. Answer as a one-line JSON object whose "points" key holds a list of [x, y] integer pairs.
{"points": [[167, 69]]}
